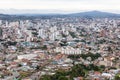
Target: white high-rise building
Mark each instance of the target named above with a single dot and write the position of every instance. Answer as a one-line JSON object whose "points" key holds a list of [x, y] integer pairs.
{"points": [[114, 23], [54, 35], [19, 33], [68, 50], [21, 24], [6, 24], [41, 33], [0, 22], [53, 29]]}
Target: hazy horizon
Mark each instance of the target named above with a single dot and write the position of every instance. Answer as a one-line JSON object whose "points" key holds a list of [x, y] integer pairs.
{"points": [[48, 11], [58, 6]]}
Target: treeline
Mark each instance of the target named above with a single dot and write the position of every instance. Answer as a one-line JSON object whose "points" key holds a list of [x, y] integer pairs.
{"points": [[28, 17], [79, 70], [85, 56]]}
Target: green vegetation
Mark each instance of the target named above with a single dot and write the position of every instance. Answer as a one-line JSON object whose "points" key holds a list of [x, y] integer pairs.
{"points": [[63, 43], [63, 35], [62, 78], [117, 76], [35, 33], [72, 34], [24, 74], [85, 56], [102, 41], [76, 71], [45, 77]]}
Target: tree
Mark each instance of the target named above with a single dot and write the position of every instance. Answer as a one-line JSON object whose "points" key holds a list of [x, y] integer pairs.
{"points": [[73, 34], [46, 77], [62, 78], [117, 76], [24, 74], [77, 70]]}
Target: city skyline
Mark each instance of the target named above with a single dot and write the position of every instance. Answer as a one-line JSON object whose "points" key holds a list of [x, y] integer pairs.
{"points": [[57, 6]]}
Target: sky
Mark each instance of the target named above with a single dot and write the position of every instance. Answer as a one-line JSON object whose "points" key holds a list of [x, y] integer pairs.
{"points": [[61, 5]]}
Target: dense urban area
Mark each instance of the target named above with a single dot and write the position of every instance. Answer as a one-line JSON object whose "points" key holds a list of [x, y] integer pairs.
{"points": [[60, 48]]}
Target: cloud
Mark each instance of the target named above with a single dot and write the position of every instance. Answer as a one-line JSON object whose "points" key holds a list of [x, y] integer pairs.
{"points": [[68, 5]]}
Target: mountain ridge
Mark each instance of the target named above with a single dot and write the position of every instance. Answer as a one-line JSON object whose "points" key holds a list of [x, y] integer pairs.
{"points": [[91, 14], [96, 14]]}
